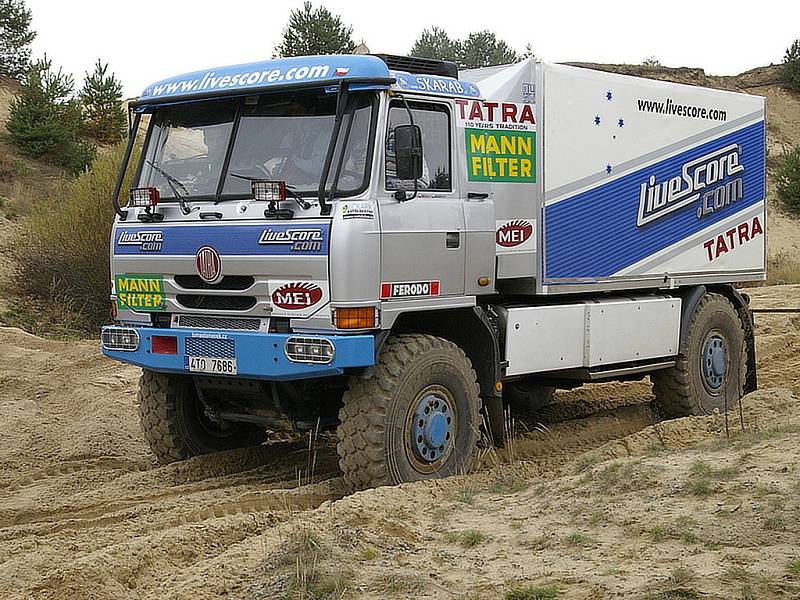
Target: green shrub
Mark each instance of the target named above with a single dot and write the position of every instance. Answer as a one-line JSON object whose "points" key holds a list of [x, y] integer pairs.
{"points": [[787, 179], [790, 74], [62, 251], [46, 122]]}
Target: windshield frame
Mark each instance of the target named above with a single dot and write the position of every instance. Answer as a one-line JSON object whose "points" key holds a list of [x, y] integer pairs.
{"points": [[373, 97]]}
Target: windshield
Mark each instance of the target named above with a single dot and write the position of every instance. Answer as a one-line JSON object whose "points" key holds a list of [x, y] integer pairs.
{"points": [[274, 136]]}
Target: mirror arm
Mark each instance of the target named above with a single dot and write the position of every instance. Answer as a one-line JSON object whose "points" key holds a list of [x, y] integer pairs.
{"points": [[411, 121], [123, 214]]}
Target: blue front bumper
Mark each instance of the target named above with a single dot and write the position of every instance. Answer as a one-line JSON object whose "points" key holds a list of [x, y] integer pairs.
{"points": [[258, 355]]}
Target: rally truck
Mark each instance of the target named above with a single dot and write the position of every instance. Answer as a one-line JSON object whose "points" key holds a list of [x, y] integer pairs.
{"points": [[387, 247]]}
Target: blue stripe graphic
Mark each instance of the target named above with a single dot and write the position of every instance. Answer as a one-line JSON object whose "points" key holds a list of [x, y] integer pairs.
{"points": [[227, 239], [594, 233]]}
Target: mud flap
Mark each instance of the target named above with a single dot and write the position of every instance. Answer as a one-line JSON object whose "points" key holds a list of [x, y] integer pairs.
{"points": [[494, 420]]}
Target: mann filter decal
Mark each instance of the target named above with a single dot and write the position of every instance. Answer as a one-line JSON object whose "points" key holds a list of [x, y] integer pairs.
{"points": [[140, 292], [500, 140]]}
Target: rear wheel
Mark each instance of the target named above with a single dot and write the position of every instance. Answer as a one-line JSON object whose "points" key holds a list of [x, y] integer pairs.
{"points": [[525, 398], [175, 424], [711, 374], [415, 418]]}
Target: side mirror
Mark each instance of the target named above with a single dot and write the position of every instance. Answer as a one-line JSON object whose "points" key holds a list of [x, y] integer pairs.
{"points": [[408, 152]]}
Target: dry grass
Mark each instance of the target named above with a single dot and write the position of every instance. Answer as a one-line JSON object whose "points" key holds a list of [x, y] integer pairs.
{"points": [[783, 268]]}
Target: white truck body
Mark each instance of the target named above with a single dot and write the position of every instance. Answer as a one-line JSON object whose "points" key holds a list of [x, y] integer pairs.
{"points": [[637, 183]]}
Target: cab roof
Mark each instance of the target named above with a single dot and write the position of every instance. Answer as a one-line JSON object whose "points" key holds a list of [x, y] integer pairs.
{"points": [[360, 71]]}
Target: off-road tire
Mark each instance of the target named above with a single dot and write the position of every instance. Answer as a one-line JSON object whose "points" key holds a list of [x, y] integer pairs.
{"points": [[526, 399], [375, 411], [680, 391], [171, 421]]}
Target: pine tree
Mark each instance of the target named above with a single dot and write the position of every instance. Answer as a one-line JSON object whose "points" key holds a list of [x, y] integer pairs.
{"points": [[790, 74], [483, 49], [436, 43], [46, 122], [315, 31], [101, 97], [15, 38], [479, 49]]}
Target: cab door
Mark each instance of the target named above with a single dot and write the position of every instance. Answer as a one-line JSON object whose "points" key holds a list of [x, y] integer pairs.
{"points": [[423, 236]]}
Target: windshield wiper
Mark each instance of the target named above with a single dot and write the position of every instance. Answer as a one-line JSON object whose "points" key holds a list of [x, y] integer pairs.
{"points": [[173, 182], [289, 190]]}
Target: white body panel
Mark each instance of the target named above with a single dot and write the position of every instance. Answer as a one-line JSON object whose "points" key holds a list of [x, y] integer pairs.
{"points": [[590, 334], [637, 183]]}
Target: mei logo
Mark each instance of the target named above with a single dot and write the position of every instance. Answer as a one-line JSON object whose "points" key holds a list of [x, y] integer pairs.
{"points": [[298, 240], [297, 295], [699, 177], [407, 289], [514, 233], [148, 241]]}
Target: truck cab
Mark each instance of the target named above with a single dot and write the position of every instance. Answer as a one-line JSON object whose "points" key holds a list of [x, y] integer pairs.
{"points": [[358, 242]]}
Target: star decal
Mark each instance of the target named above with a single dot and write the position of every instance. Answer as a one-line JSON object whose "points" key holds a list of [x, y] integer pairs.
{"points": [[621, 122], [597, 120], [609, 95], [609, 169]]}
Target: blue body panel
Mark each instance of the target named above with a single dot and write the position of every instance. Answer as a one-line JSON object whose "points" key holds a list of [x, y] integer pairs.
{"points": [[595, 233], [273, 239], [258, 355]]}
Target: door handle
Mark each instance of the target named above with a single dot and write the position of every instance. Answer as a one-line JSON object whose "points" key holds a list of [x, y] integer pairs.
{"points": [[453, 239], [477, 195]]}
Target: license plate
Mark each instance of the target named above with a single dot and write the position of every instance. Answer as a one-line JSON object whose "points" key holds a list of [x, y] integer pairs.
{"points": [[217, 366]]}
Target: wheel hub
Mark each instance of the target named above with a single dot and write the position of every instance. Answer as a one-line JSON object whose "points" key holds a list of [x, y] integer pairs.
{"points": [[714, 362], [432, 430]]}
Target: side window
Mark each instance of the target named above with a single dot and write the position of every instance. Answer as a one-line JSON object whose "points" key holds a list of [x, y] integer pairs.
{"points": [[434, 123]]}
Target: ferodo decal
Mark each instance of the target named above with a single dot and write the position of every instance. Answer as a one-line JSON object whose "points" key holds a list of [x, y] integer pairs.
{"points": [[140, 292], [500, 139], [409, 289], [297, 298], [516, 235], [733, 238], [144, 240]]}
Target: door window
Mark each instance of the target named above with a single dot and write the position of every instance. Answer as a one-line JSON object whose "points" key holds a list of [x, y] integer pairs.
{"points": [[434, 123]]}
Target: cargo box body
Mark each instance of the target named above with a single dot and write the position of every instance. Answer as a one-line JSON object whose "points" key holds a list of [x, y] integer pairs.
{"points": [[637, 183]]}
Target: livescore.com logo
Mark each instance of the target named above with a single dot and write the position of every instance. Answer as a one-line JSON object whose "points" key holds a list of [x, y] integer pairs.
{"points": [[714, 178]]}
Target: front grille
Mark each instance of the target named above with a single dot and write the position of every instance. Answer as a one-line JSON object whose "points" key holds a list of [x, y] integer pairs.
{"points": [[199, 301], [203, 322], [228, 282], [210, 347]]}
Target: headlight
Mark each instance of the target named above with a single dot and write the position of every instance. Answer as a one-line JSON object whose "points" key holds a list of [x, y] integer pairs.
{"points": [[120, 339], [309, 350]]}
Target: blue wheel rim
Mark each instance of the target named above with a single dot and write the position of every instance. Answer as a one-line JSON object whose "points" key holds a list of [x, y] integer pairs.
{"points": [[714, 362], [431, 429]]}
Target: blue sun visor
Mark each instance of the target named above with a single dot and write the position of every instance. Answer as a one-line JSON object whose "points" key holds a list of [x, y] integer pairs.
{"points": [[365, 72]]}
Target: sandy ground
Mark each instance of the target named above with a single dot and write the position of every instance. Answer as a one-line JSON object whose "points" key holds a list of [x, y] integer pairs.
{"points": [[597, 498]]}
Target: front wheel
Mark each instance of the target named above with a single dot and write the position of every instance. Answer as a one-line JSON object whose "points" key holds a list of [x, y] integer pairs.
{"points": [[416, 418], [175, 425], [711, 373]]}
